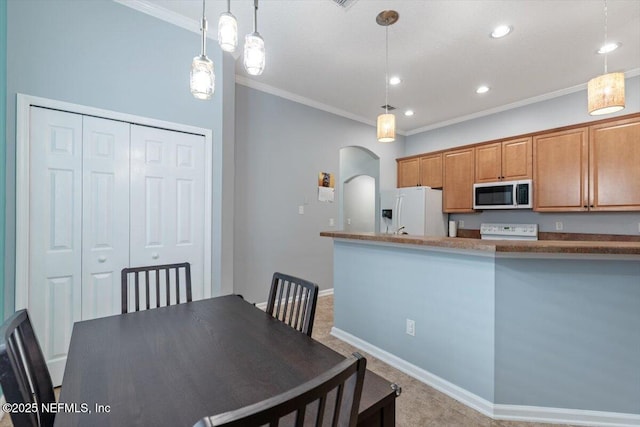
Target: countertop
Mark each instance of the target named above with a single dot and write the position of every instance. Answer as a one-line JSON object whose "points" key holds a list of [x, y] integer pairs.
{"points": [[498, 246]]}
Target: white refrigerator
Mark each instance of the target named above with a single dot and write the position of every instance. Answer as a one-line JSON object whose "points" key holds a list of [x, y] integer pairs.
{"points": [[417, 209]]}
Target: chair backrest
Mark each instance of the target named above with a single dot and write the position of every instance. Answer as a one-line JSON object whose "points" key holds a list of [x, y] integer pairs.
{"points": [[330, 399], [24, 375], [293, 301], [155, 286]]}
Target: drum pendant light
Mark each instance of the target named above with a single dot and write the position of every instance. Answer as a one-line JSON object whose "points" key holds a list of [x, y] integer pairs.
{"points": [[386, 126], [228, 30], [254, 53], [605, 93], [202, 81]]}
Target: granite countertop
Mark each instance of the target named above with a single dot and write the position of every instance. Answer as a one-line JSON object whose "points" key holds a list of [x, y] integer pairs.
{"points": [[498, 246]]}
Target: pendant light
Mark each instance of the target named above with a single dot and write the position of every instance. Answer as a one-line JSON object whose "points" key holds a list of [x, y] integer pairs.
{"points": [[386, 129], [254, 53], [203, 79], [228, 30], [605, 93]]}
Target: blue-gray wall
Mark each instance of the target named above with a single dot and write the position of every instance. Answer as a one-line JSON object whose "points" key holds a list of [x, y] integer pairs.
{"points": [[105, 55], [557, 112], [556, 333], [281, 146], [3, 137]]}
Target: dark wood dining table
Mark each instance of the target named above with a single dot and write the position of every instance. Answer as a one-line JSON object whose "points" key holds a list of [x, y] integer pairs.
{"points": [[173, 365]]}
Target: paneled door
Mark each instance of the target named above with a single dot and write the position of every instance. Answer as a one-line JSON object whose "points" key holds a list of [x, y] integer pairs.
{"points": [[55, 232], [167, 200], [106, 194], [105, 214]]}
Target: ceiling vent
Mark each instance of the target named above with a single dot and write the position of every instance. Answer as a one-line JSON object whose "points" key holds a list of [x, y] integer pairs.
{"points": [[345, 4], [388, 107]]}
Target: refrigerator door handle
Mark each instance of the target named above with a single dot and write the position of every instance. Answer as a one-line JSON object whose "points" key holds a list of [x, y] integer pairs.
{"points": [[398, 225]]}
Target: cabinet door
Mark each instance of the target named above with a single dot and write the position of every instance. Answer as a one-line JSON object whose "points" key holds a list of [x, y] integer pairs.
{"points": [[517, 159], [431, 170], [614, 168], [458, 180], [560, 171], [409, 172], [489, 162]]}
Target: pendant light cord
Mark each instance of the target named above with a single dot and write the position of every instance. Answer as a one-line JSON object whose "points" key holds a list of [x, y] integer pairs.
{"points": [[386, 71], [229, 6], [204, 32], [606, 54], [255, 16]]}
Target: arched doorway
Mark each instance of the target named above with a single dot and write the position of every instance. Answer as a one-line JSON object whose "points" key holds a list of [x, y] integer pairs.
{"points": [[359, 187]]}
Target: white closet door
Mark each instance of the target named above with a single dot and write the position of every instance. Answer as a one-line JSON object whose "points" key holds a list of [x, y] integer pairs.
{"points": [[167, 200], [105, 216], [55, 251]]}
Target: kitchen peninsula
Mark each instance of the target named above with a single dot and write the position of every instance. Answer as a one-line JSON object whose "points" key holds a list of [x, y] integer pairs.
{"points": [[544, 330]]}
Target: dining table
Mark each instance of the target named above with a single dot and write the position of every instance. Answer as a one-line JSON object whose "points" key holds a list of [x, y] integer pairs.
{"points": [[172, 366]]}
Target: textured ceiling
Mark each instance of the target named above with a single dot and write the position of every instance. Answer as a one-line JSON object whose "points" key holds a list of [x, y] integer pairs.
{"points": [[440, 48]]}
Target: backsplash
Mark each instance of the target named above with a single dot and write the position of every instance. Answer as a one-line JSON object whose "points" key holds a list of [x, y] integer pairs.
{"points": [[577, 222]]}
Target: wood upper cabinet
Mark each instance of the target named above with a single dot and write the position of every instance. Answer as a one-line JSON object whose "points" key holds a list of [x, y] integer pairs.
{"points": [[431, 170], [409, 172], [504, 161], [560, 171], [614, 168], [594, 168], [416, 171], [458, 180]]}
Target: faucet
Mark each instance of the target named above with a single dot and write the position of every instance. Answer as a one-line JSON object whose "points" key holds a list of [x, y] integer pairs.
{"points": [[399, 230]]}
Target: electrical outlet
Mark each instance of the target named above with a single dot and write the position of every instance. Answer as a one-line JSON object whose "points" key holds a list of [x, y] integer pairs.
{"points": [[559, 226], [301, 209], [411, 327], [460, 224], [349, 221], [331, 222]]}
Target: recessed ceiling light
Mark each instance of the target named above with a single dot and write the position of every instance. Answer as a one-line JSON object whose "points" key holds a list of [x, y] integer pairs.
{"points": [[395, 80], [482, 89], [409, 113], [609, 47], [501, 31]]}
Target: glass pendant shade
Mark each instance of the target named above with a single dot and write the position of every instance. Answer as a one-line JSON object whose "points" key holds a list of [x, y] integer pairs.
{"points": [[606, 94], [254, 54], [386, 127], [203, 79], [228, 32]]}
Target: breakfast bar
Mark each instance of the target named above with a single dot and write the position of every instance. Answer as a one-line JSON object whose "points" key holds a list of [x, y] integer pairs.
{"points": [[546, 330]]}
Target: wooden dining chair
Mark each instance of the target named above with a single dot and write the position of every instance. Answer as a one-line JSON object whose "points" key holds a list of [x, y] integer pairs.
{"points": [[24, 375], [293, 301], [330, 399], [155, 286]]}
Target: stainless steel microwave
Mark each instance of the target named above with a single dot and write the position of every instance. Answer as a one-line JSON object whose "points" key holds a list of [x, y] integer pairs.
{"points": [[503, 195]]}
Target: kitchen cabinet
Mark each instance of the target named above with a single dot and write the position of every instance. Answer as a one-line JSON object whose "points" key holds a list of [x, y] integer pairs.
{"points": [[409, 172], [614, 167], [458, 178], [431, 170], [504, 161], [591, 168], [420, 171], [560, 171]]}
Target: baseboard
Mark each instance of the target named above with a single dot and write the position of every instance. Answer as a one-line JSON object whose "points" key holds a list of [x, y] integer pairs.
{"points": [[322, 293], [496, 411]]}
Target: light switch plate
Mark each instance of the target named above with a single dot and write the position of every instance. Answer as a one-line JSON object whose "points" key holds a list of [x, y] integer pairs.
{"points": [[301, 209]]}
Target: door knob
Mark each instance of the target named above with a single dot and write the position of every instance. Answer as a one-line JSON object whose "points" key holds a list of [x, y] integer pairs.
{"points": [[102, 258], [155, 255]]}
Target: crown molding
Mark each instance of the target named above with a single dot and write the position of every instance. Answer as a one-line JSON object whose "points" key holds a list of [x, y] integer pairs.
{"points": [[545, 97], [163, 14], [244, 81]]}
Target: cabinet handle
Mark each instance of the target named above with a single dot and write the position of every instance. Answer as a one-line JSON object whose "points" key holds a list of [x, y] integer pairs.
{"points": [[592, 206]]}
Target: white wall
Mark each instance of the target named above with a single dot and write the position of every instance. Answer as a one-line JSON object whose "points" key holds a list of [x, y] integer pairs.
{"points": [[562, 111], [360, 204]]}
